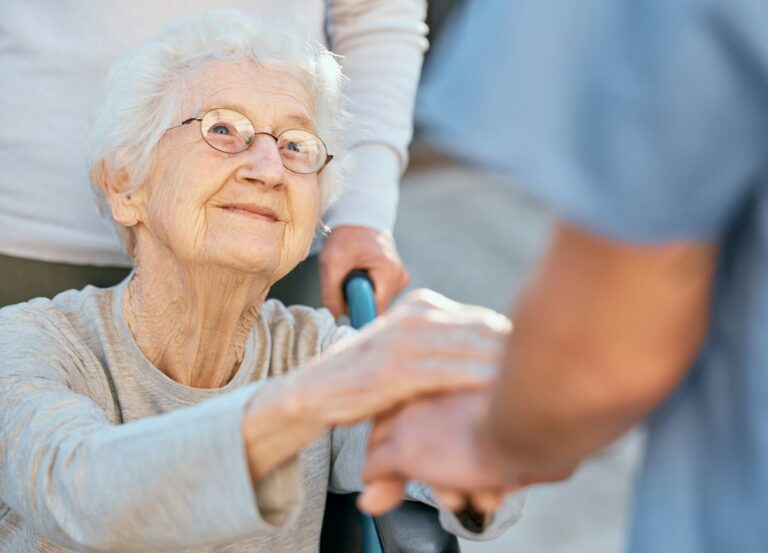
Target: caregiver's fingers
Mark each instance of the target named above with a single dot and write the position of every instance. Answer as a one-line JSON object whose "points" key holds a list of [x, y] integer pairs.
{"points": [[549, 475], [449, 500], [486, 501], [382, 428], [382, 495], [382, 462]]}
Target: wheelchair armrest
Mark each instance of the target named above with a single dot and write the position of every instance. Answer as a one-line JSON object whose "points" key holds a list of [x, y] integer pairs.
{"points": [[414, 528]]}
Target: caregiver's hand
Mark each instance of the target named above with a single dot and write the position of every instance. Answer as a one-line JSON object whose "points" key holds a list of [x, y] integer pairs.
{"points": [[426, 345], [437, 441], [352, 247], [443, 442]]}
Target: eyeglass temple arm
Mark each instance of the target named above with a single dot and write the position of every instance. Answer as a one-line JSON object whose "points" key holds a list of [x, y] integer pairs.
{"points": [[185, 122], [328, 159]]}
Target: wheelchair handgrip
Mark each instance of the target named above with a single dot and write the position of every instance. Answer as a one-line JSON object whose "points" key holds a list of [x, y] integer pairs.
{"points": [[359, 294]]}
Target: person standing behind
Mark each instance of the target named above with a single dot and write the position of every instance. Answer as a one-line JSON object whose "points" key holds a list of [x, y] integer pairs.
{"points": [[645, 126], [54, 57]]}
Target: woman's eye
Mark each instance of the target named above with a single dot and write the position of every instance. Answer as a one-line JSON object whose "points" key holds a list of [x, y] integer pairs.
{"points": [[220, 129], [294, 147]]}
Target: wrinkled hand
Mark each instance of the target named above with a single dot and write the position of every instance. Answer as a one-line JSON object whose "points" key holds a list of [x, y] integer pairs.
{"points": [[442, 441], [351, 247], [427, 344]]}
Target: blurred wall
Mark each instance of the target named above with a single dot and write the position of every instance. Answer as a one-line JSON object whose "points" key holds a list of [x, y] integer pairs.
{"points": [[437, 12]]}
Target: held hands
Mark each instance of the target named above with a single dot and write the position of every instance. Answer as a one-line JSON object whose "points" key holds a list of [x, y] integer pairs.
{"points": [[351, 247], [426, 345]]}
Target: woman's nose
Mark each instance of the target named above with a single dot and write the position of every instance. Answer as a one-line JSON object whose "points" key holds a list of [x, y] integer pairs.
{"points": [[262, 163]]}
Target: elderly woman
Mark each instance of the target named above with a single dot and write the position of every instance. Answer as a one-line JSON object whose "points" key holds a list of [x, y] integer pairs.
{"points": [[178, 409]]}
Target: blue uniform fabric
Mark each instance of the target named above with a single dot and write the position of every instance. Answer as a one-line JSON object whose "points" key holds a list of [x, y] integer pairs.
{"points": [[646, 121]]}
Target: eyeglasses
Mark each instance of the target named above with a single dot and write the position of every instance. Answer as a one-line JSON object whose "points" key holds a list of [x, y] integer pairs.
{"points": [[232, 132]]}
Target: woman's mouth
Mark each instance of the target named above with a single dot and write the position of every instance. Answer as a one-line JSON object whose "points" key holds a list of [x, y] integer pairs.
{"points": [[253, 211]]}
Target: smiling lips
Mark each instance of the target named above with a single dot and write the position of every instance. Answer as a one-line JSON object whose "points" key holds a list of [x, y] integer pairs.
{"points": [[253, 211]]}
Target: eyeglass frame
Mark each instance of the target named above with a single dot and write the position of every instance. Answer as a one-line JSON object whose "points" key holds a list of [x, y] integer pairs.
{"points": [[328, 157]]}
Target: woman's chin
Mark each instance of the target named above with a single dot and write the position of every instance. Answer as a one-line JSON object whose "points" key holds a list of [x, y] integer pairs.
{"points": [[253, 253], [256, 261]]}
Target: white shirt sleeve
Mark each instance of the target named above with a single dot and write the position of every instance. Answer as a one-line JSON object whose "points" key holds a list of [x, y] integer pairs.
{"points": [[382, 43]]}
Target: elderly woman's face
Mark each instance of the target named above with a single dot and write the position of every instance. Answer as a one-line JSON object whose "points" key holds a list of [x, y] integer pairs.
{"points": [[244, 211]]}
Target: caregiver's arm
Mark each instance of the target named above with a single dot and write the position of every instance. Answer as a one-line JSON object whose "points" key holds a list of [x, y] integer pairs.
{"points": [[604, 331]]}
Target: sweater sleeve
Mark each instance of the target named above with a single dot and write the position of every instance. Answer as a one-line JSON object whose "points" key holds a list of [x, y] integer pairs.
{"points": [[168, 482], [382, 43]]}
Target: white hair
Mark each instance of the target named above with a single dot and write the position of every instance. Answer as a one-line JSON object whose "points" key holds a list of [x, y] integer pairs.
{"points": [[144, 93]]}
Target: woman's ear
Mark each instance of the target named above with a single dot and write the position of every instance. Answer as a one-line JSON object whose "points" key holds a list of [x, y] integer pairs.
{"points": [[120, 199]]}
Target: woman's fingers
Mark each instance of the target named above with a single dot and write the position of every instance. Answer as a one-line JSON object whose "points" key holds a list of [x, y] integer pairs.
{"points": [[392, 395], [371, 400], [443, 375], [429, 345], [436, 307], [429, 330], [382, 495]]}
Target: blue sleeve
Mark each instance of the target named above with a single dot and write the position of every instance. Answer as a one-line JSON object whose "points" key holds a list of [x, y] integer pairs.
{"points": [[642, 120]]}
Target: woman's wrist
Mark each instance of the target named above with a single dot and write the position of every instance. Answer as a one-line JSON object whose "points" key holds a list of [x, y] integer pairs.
{"points": [[275, 428], [314, 396]]}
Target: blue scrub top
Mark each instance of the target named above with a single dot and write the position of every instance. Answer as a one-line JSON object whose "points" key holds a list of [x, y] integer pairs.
{"points": [[646, 121]]}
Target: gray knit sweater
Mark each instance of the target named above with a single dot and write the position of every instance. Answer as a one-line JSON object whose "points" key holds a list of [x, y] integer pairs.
{"points": [[100, 451]]}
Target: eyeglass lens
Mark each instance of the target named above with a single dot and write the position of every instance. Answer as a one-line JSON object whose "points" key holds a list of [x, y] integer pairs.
{"points": [[232, 132]]}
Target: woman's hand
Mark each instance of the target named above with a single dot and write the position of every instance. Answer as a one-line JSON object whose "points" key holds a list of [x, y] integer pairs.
{"points": [[428, 344]]}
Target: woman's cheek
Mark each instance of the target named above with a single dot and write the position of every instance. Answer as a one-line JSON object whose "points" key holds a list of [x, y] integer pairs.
{"points": [[183, 224], [310, 229]]}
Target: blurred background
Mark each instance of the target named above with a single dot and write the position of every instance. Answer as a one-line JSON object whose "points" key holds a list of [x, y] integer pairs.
{"points": [[472, 235]]}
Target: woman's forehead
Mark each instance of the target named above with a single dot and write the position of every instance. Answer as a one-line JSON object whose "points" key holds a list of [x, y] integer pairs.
{"points": [[260, 94]]}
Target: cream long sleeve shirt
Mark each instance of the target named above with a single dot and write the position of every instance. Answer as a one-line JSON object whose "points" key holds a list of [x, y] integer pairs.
{"points": [[54, 56]]}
